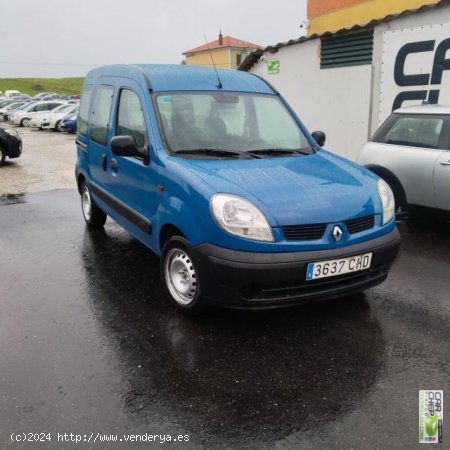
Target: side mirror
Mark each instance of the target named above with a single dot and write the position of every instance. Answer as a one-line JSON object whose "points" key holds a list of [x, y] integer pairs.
{"points": [[126, 146], [320, 137]]}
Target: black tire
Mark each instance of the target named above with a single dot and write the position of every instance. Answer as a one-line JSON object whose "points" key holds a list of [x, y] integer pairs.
{"points": [[2, 155], [58, 126], [92, 214], [180, 276], [22, 122]]}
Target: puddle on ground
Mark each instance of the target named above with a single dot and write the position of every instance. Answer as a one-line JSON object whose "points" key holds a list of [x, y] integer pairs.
{"points": [[13, 199]]}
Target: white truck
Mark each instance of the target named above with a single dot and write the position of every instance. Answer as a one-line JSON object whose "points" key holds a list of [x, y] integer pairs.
{"points": [[12, 93]]}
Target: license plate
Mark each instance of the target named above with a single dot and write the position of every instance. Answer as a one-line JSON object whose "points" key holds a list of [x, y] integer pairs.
{"points": [[335, 267]]}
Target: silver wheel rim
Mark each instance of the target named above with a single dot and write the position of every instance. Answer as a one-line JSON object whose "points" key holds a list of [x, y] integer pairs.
{"points": [[180, 276], [86, 203], [26, 122]]}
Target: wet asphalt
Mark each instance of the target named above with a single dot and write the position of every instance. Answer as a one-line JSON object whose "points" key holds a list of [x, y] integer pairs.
{"points": [[89, 345]]}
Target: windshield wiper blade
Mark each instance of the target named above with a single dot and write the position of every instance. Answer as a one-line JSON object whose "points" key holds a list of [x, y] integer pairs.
{"points": [[214, 152], [279, 151]]}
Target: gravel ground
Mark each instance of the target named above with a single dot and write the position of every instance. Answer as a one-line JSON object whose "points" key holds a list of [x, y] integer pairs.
{"points": [[47, 162]]}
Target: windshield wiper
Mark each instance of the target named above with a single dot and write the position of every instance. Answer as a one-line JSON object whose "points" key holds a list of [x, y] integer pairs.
{"points": [[279, 151], [215, 152]]}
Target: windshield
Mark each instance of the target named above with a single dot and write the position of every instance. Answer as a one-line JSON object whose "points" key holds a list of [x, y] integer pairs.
{"points": [[16, 105], [228, 121], [29, 106], [62, 108]]}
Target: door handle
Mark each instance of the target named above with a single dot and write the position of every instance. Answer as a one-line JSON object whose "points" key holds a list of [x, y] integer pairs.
{"points": [[114, 164], [445, 163], [104, 162]]}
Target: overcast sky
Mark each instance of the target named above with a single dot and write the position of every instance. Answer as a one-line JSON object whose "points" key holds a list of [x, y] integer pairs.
{"points": [[55, 38]]}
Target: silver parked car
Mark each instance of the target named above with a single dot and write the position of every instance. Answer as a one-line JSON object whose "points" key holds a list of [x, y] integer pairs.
{"points": [[411, 151]]}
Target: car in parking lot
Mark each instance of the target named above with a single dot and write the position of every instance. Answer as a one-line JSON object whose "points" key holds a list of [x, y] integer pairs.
{"points": [[7, 101], [411, 152], [42, 95], [6, 115], [69, 123], [10, 144], [53, 120], [216, 174], [23, 116], [10, 107], [37, 118]]}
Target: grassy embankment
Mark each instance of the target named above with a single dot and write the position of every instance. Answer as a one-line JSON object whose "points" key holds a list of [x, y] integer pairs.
{"points": [[33, 86]]}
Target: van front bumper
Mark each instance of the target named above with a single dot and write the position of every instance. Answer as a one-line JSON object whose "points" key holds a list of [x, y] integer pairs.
{"points": [[246, 280]]}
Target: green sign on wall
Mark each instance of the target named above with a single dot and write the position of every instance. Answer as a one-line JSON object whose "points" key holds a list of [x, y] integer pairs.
{"points": [[273, 66]]}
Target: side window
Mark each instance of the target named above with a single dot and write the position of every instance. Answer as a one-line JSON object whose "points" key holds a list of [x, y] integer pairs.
{"points": [[100, 113], [42, 107], [84, 110], [130, 120]]}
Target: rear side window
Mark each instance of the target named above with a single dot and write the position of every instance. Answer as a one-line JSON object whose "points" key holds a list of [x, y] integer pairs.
{"points": [[415, 130], [100, 113], [130, 120], [84, 110]]}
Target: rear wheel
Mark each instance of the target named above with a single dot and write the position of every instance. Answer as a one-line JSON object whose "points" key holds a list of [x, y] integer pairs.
{"points": [[58, 126], [180, 276], [24, 122], [93, 215]]}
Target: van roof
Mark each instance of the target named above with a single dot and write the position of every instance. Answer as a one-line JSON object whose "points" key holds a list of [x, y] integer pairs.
{"points": [[173, 77]]}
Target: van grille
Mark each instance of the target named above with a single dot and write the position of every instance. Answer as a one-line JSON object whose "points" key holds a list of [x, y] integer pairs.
{"points": [[303, 232], [316, 231], [360, 224]]}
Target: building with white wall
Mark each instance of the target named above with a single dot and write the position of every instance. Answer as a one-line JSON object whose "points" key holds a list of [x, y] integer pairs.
{"points": [[346, 83]]}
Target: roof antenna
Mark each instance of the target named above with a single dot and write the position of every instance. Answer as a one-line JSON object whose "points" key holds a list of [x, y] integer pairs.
{"points": [[219, 84], [425, 101]]}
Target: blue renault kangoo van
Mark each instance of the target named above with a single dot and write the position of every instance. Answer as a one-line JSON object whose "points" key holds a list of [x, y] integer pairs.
{"points": [[215, 173]]}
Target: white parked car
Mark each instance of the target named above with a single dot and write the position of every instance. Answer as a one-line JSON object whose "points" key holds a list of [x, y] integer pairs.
{"points": [[37, 118], [10, 106], [22, 117], [411, 152], [12, 93], [52, 121], [41, 95]]}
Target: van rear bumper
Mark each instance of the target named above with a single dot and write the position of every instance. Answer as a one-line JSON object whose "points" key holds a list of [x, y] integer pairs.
{"points": [[246, 280]]}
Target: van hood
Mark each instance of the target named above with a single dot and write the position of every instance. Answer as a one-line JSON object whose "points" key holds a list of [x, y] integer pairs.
{"points": [[318, 188]]}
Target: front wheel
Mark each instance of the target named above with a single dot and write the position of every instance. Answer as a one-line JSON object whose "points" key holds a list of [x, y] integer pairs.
{"points": [[180, 276], [93, 215], [2, 155]]}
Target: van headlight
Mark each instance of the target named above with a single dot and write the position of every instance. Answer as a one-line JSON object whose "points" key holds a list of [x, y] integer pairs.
{"points": [[388, 201], [240, 217]]}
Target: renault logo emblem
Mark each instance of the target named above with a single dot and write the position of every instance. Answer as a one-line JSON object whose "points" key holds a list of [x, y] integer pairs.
{"points": [[337, 233]]}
